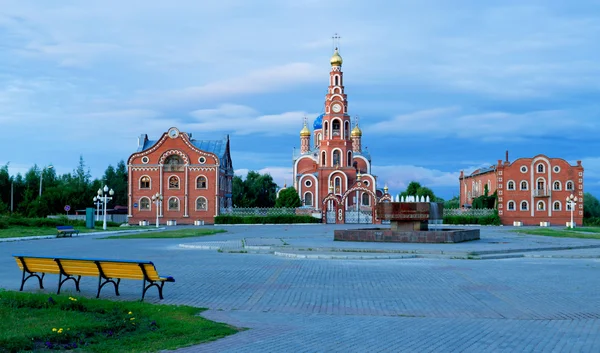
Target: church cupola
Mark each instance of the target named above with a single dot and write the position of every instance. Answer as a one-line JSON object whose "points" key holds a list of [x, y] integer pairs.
{"points": [[356, 136], [336, 59], [304, 138]]}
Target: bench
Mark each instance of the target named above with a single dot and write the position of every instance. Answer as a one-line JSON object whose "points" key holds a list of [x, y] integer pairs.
{"points": [[107, 271], [66, 230]]}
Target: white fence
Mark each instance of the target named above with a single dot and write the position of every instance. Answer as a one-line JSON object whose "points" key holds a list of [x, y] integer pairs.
{"points": [[258, 211], [476, 212], [118, 218]]}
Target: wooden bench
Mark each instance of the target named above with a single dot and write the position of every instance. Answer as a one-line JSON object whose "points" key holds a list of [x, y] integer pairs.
{"points": [[66, 230], [107, 271]]}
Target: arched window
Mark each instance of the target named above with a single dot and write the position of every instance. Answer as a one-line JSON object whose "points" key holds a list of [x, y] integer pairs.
{"points": [[319, 137], [349, 159], [569, 185], [173, 204], [323, 158], [338, 185], [511, 205], [337, 80], [541, 184], [201, 182], [524, 206], [336, 158], [540, 168], [326, 128], [201, 204], [556, 206], [556, 185], [145, 182], [510, 185], [541, 205], [173, 163], [144, 204], [335, 127], [346, 129], [568, 206], [524, 185], [366, 200], [308, 199], [173, 182]]}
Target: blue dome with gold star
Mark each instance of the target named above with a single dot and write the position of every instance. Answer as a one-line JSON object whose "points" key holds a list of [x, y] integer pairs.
{"points": [[318, 124]]}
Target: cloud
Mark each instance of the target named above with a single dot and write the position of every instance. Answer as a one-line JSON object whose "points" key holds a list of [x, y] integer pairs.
{"points": [[397, 177], [244, 120], [487, 126], [281, 175]]}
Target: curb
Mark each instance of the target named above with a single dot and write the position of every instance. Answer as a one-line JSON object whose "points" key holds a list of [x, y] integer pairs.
{"points": [[38, 237]]}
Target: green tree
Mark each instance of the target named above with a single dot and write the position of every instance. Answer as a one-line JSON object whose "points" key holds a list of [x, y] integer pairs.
{"points": [[288, 197], [454, 202], [416, 189], [591, 206], [257, 190]]}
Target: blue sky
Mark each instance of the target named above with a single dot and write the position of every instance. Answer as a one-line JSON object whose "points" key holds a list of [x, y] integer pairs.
{"points": [[440, 86]]}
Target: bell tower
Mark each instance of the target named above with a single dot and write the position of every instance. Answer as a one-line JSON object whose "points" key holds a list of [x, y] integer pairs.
{"points": [[336, 141]]}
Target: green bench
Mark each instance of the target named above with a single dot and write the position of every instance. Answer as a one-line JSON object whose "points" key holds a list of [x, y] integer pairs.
{"points": [[66, 231], [107, 271]]}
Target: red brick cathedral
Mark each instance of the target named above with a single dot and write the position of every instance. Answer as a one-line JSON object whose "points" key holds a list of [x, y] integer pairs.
{"points": [[336, 162]]}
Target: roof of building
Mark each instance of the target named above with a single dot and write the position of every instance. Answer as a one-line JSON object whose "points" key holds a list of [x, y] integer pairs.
{"points": [[318, 124], [483, 171], [218, 147]]}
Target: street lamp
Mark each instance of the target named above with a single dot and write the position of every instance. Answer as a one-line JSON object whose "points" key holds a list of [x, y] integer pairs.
{"points": [[97, 202], [41, 174], [104, 198], [157, 199], [571, 202]]}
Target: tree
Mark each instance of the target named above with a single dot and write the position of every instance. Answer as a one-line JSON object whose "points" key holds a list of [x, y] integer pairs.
{"points": [[416, 189], [454, 202], [591, 206], [257, 190], [288, 197]]}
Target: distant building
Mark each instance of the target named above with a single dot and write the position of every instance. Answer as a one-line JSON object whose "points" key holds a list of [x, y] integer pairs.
{"points": [[335, 171], [193, 176], [530, 190]]}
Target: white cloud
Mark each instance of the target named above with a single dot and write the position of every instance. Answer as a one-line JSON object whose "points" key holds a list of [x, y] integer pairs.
{"points": [[397, 177], [244, 120]]}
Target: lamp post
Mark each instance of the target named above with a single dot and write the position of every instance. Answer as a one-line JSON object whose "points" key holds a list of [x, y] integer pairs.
{"points": [[97, 202], [572, 201], [157, 199], [103, 196], [41, 175]]}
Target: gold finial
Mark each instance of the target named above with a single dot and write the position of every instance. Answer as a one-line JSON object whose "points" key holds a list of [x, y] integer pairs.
{"points": [[330, 188], [358, 176], [385, 189]]}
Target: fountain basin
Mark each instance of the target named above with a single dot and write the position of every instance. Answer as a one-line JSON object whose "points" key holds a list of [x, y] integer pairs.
{"points": [[410, 236]]}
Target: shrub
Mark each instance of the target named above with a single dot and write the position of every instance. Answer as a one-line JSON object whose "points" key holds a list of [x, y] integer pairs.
{"points": [[274, 219], [466, 219], [592, 221]]}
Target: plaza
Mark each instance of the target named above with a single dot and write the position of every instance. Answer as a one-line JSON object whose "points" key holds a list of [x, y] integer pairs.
{"points": [[296, 290]]}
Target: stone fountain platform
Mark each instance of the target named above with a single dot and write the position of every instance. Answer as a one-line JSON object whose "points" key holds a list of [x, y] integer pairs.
{"points": [[390, 236], [409, 223]]}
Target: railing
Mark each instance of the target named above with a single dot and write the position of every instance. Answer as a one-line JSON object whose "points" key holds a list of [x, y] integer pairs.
{"points": [[541, 193], [258, 211], [118, 218], [476, 212]]}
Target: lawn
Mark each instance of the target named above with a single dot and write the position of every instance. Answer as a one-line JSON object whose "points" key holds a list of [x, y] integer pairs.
{"points": [[42, 322], [23, 231], [582, 232], [179, 233]]}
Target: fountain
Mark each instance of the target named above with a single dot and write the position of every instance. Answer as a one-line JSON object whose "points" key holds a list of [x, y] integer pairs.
{"points": [[410, 220]]}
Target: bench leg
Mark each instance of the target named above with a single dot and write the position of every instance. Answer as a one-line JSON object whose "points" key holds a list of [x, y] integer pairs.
{"points": [[153, 284], [32, 274], [109, 280], [62, 281]]}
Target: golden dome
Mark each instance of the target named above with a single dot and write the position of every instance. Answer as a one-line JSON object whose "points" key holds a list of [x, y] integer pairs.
{"points": [[305, 131], [356, 131], [336, 59]]}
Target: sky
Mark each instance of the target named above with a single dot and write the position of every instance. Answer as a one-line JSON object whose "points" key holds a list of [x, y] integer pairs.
{"points": [[439, 86]]}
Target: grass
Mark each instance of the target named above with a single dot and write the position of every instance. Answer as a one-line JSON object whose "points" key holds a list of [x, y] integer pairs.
{"points": [[171, 234], [22, 231], [582, 233], [40, 322]]}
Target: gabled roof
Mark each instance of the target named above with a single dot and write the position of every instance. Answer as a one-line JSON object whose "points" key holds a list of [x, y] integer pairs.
{"points": [[218, 147]]}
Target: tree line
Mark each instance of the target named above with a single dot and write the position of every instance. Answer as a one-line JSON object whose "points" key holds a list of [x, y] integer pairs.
{"points": [[21, 193]]}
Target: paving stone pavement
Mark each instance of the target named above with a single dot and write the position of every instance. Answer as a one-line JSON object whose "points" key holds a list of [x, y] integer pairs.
{"points": [[527, 304]]}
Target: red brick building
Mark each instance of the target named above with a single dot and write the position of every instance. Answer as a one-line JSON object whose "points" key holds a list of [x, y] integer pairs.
{"points": [[530, 190], [336, 161], [194, 178]]}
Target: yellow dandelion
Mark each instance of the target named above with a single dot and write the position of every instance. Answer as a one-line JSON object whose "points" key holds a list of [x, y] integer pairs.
{"points": [[54, 329], [133, 318], [130, 313]]}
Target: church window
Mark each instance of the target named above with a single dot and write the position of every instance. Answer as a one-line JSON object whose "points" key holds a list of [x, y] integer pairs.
{"points": [[523, 185], [308, 199], [308, 183], [173, 182], [201, 204], [335, 128], [173, 163], [541, 206], [338, 185], [173, 204], [511, 205], [144, 204], [201, 182], [541, 184], [346, 129], [336, 158], [510, 185], [556, 185], [323, 157], [145, 182], [349, 158], [540, 168], [569, 185], [337, 80], [366, 200], [524, 206], [326, 128]]}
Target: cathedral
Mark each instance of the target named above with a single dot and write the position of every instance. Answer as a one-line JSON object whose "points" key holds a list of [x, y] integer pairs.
{"points": [[333, 174]]}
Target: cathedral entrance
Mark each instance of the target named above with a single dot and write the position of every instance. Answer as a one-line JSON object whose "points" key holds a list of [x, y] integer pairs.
{"points": [[359, 202], [360, 216]]}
